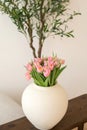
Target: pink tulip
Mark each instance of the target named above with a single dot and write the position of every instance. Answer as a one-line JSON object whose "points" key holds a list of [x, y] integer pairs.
{"points": [[28, 76], [39, 68], [51, 64], [47, 71], [29, 67], [62, 61], [50, 58], [56, 63], [45, 63], [38, 60], [36, 64]]}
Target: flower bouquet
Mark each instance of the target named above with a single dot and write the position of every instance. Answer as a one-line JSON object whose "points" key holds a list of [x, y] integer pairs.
{"points": [[45, 70]]}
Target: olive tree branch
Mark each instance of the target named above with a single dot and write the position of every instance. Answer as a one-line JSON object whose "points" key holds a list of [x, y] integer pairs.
{"points": [[41, 38]]}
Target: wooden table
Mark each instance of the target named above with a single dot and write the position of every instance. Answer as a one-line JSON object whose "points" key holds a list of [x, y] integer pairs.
{"points": [[76, 116]]}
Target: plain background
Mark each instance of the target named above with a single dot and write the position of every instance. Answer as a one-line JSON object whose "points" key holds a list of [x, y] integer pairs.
{"points": [[15, 54]]}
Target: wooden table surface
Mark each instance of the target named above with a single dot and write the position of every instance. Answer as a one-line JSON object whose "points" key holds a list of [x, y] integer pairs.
{"points": [[76, 116]]}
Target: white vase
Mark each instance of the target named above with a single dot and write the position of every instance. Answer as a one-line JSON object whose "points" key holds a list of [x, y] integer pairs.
{"points": [[44, 106]]}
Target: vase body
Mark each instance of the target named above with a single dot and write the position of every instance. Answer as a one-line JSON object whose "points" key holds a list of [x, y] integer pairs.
{"points": [[44, 106]]}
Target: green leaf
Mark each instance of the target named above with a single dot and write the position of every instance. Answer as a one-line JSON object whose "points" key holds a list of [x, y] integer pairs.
{"points": [[37, 76], [42, 76], [36, 82], [47, 82], [53, 77], [59, 70]]}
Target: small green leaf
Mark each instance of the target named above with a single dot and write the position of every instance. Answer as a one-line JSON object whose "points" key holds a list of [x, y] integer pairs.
{"points": [[36, 82], [47, 82], [53, 77], [59, 70]]}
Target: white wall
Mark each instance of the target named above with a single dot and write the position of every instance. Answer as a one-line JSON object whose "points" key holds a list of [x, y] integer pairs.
{"points": [[15, 53]]}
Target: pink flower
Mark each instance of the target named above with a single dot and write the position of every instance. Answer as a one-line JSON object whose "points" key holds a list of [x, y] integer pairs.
{"points": [[38, 60], [39, 68], [29, 67], [62, 61], [28, 76], [45, 63], [50, 58], [51, 65], [47, 71], [56, 63]]}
